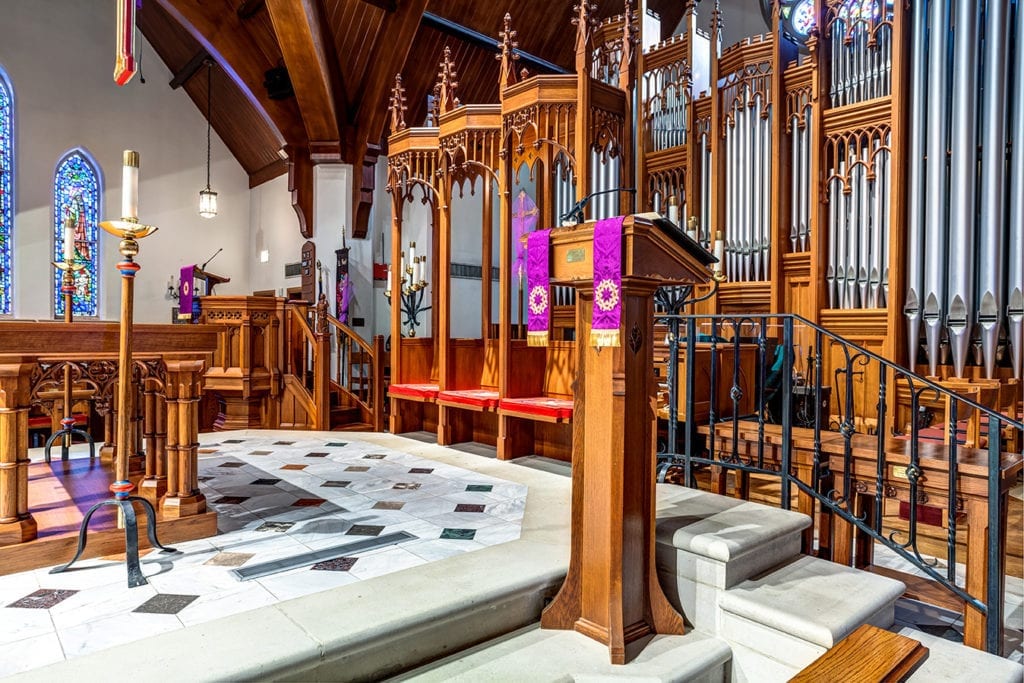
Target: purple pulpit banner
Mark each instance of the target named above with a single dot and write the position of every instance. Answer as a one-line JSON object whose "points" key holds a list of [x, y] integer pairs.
{"points": [[538, 280], [185, 293], [607, 317]]}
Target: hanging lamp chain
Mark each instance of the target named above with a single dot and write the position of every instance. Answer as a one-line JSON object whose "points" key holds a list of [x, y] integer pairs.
{"points": [[209, 104]]}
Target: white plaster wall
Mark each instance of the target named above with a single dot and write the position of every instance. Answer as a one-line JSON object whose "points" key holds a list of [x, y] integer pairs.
{"points": [[274, 228], [740, 18], [59, 56]]}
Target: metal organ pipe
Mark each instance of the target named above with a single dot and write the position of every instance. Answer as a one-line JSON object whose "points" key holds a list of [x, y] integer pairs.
{"points": [[1015, 241], [963, 163], [915, 183], [936, 180], [993, 158]]}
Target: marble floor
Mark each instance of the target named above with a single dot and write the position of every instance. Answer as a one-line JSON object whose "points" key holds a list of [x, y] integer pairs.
{"points": [[276, 498]]}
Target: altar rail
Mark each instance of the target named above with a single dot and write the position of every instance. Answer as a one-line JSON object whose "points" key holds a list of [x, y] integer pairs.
{"points": [[866, 481]]}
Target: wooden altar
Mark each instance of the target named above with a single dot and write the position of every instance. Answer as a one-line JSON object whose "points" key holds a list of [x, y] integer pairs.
{"points": [[611, 592]]}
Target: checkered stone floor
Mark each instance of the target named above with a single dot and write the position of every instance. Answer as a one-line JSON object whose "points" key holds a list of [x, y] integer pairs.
{"points": [[275, 499]]}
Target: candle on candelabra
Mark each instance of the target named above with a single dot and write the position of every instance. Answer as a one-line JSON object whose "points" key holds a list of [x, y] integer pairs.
{"points": [[387, 287], [412, 253], [719, 251], [401, 268], [130, 185], [673, 209], [69, 240]]}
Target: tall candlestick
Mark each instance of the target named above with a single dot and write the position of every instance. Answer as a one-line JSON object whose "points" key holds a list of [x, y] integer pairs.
{"points": [[412, 252], [69, 240], [130, 185], [719, 251], [388, 287]]}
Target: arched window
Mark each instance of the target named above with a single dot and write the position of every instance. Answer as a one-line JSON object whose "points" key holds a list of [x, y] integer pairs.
{"points": [[6, 194], [76, 199]]}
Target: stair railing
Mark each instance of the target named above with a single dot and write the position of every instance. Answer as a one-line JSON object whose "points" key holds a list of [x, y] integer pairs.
{"points": [[307, 353], [359, 371], [855, 452]]}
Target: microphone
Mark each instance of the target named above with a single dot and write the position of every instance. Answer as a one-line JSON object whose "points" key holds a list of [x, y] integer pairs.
{"points": [[574, 216], [203, 267]]}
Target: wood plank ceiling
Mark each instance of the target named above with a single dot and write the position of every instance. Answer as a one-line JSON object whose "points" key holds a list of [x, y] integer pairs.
{"points": [[340, 57]]}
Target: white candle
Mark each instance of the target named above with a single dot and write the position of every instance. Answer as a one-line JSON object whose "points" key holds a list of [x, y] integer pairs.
{"points": [[719, 251], [387, 288], [401, 268], [673, 211], [412, 252], [130, 185], [69, 241], [419, 268]]}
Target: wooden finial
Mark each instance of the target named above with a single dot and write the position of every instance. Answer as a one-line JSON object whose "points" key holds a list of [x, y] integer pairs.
{"points": [[447, 83], [690, 8], [584, 21], [629, 38], [397, 105], [508, 56]]}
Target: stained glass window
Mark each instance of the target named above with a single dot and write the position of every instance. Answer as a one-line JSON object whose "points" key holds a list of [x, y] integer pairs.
{"points": [[6, 198], [76, 199]]}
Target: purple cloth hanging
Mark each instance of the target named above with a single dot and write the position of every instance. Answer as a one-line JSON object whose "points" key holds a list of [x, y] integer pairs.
{"points": [[538, 280], [344, 295], [524, 222], [607, 316], [185, 293]]}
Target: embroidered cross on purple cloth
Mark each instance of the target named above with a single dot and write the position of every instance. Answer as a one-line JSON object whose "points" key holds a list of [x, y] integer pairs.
{"points": [[538, 279]]}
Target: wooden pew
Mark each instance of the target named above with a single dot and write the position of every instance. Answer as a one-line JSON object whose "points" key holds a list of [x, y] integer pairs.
{"points": [[467, 407], [535, 418], [412, 395]]}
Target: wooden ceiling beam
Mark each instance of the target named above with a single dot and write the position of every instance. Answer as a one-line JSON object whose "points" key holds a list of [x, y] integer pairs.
{"points": [[297, 25], [224, 36], [249, 8], [390, 50], [185, 73], [386, 5]]}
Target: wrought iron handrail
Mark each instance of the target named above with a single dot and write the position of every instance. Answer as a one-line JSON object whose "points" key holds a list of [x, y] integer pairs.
{"points": [[837, 477]]}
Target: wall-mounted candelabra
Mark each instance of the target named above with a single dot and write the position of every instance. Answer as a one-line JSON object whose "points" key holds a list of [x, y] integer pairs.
{"points": [[412, 284]]}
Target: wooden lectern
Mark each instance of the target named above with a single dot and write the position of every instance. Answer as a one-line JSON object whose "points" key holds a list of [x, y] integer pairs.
{"points": [[611, 592], [209, 280]]}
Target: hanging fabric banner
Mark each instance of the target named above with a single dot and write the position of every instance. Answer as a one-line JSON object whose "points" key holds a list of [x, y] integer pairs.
{"points": [[524, 221], [538, 278], [607, 317], [185, 293], [343, 286]]}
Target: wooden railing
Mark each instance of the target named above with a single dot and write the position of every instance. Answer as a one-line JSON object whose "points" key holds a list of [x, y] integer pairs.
{"points": [[354, 372]]}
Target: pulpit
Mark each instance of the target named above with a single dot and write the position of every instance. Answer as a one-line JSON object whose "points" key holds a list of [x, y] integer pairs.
{"points": [[611, 592]]}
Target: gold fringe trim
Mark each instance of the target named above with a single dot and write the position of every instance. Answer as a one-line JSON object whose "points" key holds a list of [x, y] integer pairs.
{"points": [[602, 338], [537, 338]]}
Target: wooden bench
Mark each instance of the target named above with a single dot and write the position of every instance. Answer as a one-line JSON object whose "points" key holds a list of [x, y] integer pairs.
{"points": [[868, 655], [467, 406], [412, 395], [535, 418]]}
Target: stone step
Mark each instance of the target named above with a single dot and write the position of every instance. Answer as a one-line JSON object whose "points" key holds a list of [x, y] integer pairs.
{"points": [[955, 662], [796, 612], [539, 655], [707, 543]]}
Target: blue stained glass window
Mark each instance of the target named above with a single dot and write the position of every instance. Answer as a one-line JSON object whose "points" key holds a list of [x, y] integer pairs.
{"points": [[6, 198], [76, 198]]}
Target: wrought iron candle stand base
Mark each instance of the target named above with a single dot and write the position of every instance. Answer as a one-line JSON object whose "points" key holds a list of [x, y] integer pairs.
{"points": [[124, 503], [67, 434]]}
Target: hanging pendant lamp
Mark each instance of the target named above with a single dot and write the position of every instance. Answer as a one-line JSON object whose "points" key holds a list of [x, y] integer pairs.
{"points": [[207, 197]]}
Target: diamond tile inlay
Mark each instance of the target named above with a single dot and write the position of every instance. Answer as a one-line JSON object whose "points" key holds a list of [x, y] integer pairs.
{"points": [[340, 564], [317, 454], [165, 603], [336, 444], [279, 527], [365, 530], [357, 468], [480, 488], [233, 463], [374, 456], [469, 507], [44, 598], [229, 559], [421, 470], [308, 503], [260, 452], [230, 500], [406, 486], [388, 505], [283, 443], [459, 534], [336, 484], [264, 482], [294, 467], [234, 440]]}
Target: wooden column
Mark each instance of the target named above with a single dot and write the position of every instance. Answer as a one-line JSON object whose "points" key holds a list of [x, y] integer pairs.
{"points": [[322, 367], [154, 484], [397, 203], [184, 379], [443, 330], [16, 522]]}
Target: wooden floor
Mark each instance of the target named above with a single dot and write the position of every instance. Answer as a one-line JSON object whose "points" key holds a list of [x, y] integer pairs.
{"points": [[60, 493]]}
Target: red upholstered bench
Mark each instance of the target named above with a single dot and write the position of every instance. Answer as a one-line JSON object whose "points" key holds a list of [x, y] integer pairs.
{"points": [[425, 393], [537, 408], [471, 399]]}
